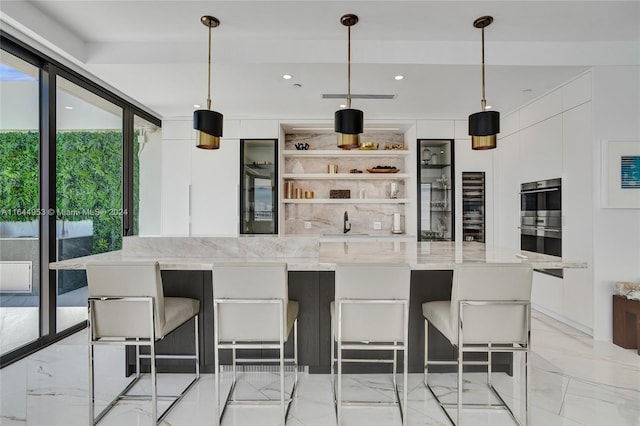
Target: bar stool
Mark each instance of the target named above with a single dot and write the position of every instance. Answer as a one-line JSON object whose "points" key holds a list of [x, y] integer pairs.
{"points": [[252, 310], [489, 311], [370, 312], [127, 306]]}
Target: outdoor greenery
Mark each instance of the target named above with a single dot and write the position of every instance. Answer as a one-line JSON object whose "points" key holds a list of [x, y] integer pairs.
{"points": [[88, 181]]}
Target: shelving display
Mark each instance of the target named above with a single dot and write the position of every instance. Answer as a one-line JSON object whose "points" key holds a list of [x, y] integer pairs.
{"points": [[371, 183], [435, 192], [473, 206], [304, 168]]}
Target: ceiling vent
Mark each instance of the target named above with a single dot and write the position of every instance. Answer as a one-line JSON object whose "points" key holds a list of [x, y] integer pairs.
{"points": [[363, 96]]}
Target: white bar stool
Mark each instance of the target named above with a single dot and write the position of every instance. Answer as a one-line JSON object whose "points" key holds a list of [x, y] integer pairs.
{"points": [[370, 312], [489, 311], [252, 310], [127, 307]]}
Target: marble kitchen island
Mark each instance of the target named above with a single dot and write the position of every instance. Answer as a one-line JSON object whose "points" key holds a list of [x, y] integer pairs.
{"points": [[186, 264]]}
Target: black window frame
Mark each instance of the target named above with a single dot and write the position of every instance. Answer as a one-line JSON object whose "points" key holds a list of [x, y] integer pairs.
{"points": [[49, 69]]}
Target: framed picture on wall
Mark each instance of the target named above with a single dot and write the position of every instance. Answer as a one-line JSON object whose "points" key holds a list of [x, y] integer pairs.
{"points": [[621, 174]]}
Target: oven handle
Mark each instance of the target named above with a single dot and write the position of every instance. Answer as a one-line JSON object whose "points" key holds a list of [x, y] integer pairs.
{"points": [[540, 190]]}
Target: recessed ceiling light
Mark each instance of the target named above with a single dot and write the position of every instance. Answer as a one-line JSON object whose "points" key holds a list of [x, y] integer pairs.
{"points": [[68, 107], [488, 107], [343, 106], [287, 76], [196, 106], [399, 77]]}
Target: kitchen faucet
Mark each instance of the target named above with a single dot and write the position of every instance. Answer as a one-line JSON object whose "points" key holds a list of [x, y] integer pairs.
{"points": [[346, 225]]}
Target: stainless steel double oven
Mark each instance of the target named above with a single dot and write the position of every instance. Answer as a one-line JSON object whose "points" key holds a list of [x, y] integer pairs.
{"points": [[541, 219]]}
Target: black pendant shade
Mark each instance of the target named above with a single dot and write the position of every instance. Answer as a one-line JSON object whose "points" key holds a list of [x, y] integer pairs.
{"points": [[484, 123], [209, 126], [349, 121], [484, 126], [208, 123]]}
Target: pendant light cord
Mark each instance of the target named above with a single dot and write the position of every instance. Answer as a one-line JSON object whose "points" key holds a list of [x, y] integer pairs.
{"points": [[349, 67], [483, 101], [209, 74]]}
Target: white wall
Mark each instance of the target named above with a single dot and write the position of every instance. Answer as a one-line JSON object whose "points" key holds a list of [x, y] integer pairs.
{"points": [[616, 96]]}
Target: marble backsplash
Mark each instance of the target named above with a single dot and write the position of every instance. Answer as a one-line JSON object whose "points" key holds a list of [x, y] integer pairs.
{"points": [[329, 218]]}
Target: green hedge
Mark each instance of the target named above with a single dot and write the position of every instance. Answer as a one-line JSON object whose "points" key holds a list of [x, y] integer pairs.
{"points": [[88, 181]]}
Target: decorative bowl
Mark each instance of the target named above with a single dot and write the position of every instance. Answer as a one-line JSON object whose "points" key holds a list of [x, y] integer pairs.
{"points": [[369, 145]]}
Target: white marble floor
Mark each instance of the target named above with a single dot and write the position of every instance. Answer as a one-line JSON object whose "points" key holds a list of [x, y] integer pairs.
{"points": [[575, 381]]}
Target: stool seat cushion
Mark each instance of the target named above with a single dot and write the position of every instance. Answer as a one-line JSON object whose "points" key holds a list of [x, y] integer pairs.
{"points": [[438, 314], [293, 308], [177, 311]]}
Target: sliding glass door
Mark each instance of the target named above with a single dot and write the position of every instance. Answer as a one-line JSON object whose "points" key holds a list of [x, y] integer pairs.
{"points": [[73, 158], [19, 204], [89, 184]]}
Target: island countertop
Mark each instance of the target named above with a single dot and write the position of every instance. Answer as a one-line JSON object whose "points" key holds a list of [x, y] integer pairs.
{"points": [[309, 254]]}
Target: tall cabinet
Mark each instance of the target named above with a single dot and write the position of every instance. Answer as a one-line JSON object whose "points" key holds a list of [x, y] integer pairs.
{"points": [[258, 186], [436, 199]]}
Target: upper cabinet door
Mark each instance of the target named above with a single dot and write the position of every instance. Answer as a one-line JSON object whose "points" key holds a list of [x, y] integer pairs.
{"points": [[258, 186]]}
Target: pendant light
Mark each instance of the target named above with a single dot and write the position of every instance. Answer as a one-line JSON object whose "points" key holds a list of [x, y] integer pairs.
{"points": [[484, 126], [208, 123], [348, 122]]}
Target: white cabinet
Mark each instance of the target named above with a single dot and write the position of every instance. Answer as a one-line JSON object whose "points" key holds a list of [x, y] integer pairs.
{"points": [[541, 109], [214, 202], [547, 294], [199, 187], [576, 92], [436, 129], [507, 188], [234, 128], [577, 205], [541, 150]]}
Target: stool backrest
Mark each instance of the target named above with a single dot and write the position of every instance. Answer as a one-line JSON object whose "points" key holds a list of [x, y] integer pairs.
{"points": [[493, 322], [120, 318], [251, 321], [372, 322]]}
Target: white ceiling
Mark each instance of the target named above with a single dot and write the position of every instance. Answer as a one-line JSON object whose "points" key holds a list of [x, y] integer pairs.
{"points": [[155, 51]]}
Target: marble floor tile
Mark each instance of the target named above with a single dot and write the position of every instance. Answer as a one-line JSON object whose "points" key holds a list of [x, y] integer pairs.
{"points": [[574, 381]]}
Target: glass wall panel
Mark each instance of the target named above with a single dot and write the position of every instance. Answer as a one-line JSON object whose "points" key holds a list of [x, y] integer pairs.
{"points": [[89, 185], [19, 203]]}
